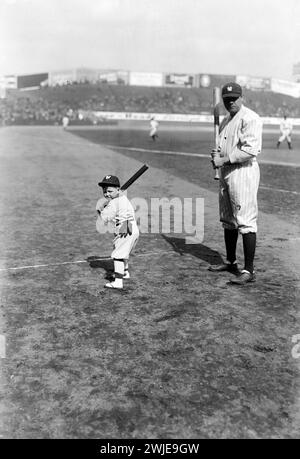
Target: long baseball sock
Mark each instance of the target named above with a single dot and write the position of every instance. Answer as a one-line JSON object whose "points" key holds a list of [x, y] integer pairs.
{"points": [[249, 244], [126, 271], [119, 273], [231, 237]]}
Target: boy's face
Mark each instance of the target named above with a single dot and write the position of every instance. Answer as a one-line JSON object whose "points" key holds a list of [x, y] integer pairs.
{"points": [[110, 192]]}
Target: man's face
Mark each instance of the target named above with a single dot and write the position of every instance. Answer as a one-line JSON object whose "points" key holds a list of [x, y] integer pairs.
{"points": [[232, 104], [110, 192]]}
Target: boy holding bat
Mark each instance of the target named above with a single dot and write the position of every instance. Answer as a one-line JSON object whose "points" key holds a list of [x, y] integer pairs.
{"points": [[117, 210]]}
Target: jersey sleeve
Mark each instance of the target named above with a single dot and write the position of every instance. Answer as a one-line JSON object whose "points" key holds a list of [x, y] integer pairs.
{"points": [[250, 140], [108, 214]]}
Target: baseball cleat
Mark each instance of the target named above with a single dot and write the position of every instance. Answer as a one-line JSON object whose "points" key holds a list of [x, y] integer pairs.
{"points": [[244, 278], [112, 285], [112, 277], [230, 267]]}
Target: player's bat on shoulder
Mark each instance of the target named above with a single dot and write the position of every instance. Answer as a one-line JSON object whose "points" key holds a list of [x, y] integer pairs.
{"points": [[134, 177], [216, 113]]}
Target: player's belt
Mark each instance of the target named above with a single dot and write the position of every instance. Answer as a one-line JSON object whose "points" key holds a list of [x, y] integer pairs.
{"points": [[239, 165], [119, 222]]}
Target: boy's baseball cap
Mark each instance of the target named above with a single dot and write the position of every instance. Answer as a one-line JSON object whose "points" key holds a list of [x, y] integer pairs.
{"points": [[110, 180], [231, 90]]}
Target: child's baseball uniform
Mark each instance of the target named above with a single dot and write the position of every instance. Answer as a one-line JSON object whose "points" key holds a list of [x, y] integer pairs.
{"points": [[118, 214], [118, 211]]}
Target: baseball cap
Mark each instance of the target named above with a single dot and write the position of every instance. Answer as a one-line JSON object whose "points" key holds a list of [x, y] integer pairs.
{"points": [[231, 90], [109, 180]]}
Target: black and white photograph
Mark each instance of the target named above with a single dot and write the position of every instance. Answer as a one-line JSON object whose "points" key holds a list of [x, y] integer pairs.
{"points": [[149, 222]]}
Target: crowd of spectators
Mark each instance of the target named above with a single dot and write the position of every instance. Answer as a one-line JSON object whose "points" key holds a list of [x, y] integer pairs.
{"points": [[49, 105]]}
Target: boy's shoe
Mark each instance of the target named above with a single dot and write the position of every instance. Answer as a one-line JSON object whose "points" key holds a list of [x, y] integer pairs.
{"points": [[112, 276], [112, 285], [126, 275], [230, 267], [244, 278]]}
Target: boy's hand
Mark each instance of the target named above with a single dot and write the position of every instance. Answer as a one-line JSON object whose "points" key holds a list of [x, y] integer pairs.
{"points": [[101, 204], [125, 228]]}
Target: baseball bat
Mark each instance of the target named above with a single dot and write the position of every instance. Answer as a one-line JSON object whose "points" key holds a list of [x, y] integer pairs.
{"points": [[134, 177], [216, 105]]}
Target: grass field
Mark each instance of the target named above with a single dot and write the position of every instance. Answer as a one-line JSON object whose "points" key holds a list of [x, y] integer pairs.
{"points": [[179, 353]]}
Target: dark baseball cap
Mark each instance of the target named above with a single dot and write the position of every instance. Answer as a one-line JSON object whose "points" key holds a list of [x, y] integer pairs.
{"points": [[231, 90], [110, 180]]}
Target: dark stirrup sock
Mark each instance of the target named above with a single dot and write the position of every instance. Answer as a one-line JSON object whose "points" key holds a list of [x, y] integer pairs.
{"points": [[249, 243], [231, 237]]}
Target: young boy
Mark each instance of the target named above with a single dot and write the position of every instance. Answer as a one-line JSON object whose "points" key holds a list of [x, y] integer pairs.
{"points": [[118, 210]]}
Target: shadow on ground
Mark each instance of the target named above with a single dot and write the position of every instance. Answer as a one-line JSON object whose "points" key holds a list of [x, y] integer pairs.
{"points": [[106, 264], [197, 250]]}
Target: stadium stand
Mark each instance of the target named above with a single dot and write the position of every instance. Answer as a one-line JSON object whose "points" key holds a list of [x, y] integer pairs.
{"points": [[49, 104]]}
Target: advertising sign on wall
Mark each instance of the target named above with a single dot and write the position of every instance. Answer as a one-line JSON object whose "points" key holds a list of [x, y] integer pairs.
{"points": [[289, 88], [179, 79], [209, 80], [254, 83], [9, 81], [113, 77], [32, 81], [63, 77], [145, 79]]}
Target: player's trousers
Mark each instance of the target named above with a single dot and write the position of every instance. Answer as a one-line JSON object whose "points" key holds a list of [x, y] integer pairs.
{"points": [[238, 196], [153, 132], [285, 136], [123, 246]]}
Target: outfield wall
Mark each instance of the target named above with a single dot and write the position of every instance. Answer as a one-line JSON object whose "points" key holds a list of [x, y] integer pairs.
{"points": [[182, 118]]}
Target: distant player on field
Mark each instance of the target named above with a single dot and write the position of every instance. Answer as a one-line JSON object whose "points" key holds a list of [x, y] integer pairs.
{"points": [[286, 128], [65, 121], [153, 128], [239, 144]]}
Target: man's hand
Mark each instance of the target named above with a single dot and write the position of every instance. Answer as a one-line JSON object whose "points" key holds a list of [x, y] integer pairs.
{"points": [[218, 159], [125, 229]]}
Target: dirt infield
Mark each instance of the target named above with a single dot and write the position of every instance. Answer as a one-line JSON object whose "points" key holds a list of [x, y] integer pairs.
{"points": [[179, 353]]}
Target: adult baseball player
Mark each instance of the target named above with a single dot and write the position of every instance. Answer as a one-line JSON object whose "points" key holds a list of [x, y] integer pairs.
{"points": [[153, 128], [239, 144], [286, 128], [65, 121]]}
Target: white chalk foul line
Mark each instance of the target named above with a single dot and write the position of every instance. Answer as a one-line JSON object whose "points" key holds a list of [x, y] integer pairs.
{"points": [[198, 155], [278, 189], [47, 265], [201, 155], [161, 152], [164, 152]]}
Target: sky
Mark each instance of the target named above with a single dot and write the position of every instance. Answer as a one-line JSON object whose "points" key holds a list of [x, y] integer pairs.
{"points": [[232, 37]]}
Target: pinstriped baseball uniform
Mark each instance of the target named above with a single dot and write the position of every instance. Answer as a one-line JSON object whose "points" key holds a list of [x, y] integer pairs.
{"points": [[286, 128], [240, 141]]}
